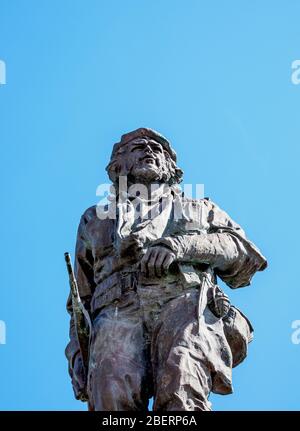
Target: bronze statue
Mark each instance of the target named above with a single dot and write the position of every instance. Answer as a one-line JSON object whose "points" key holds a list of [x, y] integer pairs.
{"points": [[146, 267]]}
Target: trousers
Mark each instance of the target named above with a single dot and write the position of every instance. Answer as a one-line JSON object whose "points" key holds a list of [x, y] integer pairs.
{"points": [[145, 345]]}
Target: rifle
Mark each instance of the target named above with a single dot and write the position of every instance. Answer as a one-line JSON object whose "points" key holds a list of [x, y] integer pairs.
{"points": [[82, 318]]}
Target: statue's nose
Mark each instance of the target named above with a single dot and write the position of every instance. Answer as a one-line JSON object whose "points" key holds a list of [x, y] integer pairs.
{"points": [[148, 149]]}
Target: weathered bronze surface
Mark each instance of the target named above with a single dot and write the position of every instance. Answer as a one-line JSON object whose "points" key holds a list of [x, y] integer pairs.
{"points": [[147, 268]]}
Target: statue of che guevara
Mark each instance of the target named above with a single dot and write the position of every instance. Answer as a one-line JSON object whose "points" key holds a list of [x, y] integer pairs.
{"points": [[147, 266]]}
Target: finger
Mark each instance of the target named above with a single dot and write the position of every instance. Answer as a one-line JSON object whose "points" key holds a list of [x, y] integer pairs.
{"points": [[144, 262], [161, 256], [226, 307], [168, 260], [220, 310], [151, 263]]}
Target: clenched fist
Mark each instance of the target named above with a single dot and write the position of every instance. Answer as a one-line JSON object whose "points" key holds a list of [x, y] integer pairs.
{"points": [[157, 261]]}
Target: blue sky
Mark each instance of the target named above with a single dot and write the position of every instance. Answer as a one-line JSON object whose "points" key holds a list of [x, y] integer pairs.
{"points": [[215, 78]]}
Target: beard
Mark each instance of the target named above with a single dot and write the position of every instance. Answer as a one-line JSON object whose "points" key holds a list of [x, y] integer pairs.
{"points": [[146, 172]]}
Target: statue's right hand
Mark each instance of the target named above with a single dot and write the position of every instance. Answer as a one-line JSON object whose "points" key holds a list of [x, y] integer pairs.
{"points": [[79, 379]]}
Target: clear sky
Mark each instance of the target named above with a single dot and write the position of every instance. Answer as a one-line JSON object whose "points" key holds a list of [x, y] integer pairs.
{"points": [[215, 78]]}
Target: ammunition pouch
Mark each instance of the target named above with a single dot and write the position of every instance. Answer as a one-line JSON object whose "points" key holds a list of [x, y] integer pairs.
{"points": [[239, 332]]}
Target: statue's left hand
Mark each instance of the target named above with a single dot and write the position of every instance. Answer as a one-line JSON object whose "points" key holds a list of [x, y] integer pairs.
{"points": [[157, 261]]}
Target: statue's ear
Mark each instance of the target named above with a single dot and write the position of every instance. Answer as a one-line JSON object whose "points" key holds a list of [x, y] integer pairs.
{"points": [[119, 165], [118, 168]]}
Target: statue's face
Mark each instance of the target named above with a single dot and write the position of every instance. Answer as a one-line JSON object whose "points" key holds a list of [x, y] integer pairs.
{"points": [[146, 160]]}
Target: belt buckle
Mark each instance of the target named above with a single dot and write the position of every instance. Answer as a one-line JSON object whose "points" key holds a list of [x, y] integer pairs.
{"points": [[127, 281]]}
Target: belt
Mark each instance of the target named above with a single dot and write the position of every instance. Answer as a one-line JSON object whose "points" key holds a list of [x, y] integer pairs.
{"points": [[112, 288]]}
